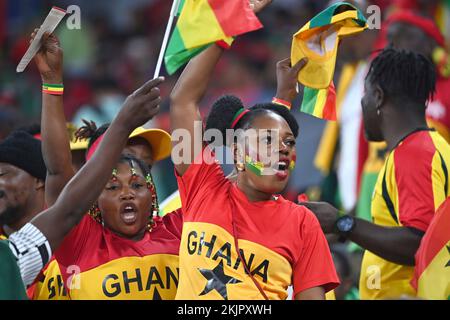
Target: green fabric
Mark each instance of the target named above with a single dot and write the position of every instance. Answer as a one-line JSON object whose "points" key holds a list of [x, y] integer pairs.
{"points": [[353, 294], [309, 100], [363, 208], [177, 55], [324, 18], [11, 285]]}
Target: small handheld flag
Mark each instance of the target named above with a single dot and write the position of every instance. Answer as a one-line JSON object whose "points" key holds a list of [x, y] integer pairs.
{"points": [[202, 23], [318, 41]]}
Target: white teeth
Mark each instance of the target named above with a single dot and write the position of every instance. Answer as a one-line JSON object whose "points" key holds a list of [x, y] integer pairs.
{"points": [[282, 166]]}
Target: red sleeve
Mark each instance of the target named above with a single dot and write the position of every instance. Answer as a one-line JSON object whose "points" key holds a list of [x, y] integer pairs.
{"points": [[413, 175], [70, 249], [314, 267], [199, 181], [174, 222]]}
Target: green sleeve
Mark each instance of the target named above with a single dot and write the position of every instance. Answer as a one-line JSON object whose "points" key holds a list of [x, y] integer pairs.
{"points": [[11, 285]]}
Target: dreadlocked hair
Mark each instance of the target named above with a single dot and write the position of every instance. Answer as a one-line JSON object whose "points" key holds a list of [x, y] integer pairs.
{"points": [[89, 131], [95, 213], [226, 107], [404, 76]]}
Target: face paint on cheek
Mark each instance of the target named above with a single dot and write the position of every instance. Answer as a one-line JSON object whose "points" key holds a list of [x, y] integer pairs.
{"points": [[292, 163], [254, 166]]}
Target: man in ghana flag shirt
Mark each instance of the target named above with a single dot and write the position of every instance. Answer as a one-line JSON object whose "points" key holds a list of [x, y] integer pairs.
{"points": [[413, 182]]}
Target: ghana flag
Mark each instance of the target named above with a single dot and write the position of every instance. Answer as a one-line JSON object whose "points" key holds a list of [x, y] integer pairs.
{"points": [[318, 41], [203, 22], [432, 272]]}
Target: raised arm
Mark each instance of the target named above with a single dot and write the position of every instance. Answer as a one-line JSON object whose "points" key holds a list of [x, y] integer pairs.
{"points": [[85, 187], [187, 93], [184, 102], [55, 138]]}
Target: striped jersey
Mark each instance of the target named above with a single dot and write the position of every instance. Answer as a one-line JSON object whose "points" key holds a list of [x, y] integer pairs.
{"points": [[411, 186]]}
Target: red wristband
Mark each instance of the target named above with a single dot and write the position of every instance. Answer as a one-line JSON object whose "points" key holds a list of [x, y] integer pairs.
{"points": [[281, 102]]}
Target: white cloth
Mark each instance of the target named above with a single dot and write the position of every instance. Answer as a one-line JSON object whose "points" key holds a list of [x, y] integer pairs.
{"points": [[32, 251], [350, 125]]}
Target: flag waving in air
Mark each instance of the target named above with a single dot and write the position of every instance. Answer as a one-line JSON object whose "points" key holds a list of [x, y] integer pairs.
{"points": [[432, 272], [203, 22], [318, 40]]}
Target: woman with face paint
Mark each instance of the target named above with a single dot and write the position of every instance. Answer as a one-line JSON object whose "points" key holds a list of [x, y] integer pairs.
{"points": [[242, 240], [121, 249]]}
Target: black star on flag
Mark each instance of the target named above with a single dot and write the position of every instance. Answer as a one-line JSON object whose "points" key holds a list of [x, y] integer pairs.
{"points": [[217, 280]]}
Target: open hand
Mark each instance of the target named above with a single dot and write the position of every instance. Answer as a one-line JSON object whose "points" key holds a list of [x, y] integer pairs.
{"points": [[287, 78], [141, 106], [49, 59], [258, 5]]}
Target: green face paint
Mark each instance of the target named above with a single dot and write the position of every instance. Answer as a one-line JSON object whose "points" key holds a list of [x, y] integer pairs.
{"points": [[254, 166]]}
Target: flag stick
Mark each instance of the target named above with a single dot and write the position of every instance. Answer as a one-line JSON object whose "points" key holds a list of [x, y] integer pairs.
{"points": [[173, 13]]}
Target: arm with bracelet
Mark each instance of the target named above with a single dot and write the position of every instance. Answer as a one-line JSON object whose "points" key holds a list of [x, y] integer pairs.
{"points": [[287, 76], [55, 137]]}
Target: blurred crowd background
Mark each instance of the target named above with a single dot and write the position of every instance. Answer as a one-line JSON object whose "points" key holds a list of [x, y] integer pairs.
{"points": [[116, 50]]}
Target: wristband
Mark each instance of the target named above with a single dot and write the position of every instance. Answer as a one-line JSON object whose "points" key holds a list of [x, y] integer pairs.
{"points": [[53, 89], [281, 102]]}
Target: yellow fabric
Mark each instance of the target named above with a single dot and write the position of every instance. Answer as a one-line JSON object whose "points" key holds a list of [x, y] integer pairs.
{"points": [[327, 146], [442, 129], [320, 46], [330, 295], [171, 203], [52, 286], [79, 145], [192, 12], [274, 280], [393, 279], [2, 237], [374, 162], [159, 140], [434, 282], [135, 278]]}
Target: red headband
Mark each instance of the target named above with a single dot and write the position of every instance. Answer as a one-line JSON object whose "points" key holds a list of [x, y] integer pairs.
{"points": [[94, 147], [424, 23], [242, 112]]}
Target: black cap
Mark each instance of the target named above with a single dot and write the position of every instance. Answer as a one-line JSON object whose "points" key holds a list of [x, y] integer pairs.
{"points": [[22, 150]]}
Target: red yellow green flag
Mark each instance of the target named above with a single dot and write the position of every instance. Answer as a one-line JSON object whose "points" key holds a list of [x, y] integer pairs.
{"points": [[320, 103], [318, 41], [203, 22], [432, 272]]}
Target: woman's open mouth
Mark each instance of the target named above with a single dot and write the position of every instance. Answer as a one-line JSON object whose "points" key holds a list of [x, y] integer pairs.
{"points": [[281, 168], [128, 213]]}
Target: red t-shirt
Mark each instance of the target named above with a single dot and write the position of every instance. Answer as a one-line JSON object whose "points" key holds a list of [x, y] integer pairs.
{"points": [[94, 263], [281, 242]]}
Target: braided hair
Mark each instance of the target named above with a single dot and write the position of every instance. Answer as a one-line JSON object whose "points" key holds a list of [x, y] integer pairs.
{"points": [[226, 107], [404, 76], [89, 131]]}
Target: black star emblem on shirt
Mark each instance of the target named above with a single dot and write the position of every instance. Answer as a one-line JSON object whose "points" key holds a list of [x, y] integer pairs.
{"points": [[217, 280]]}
